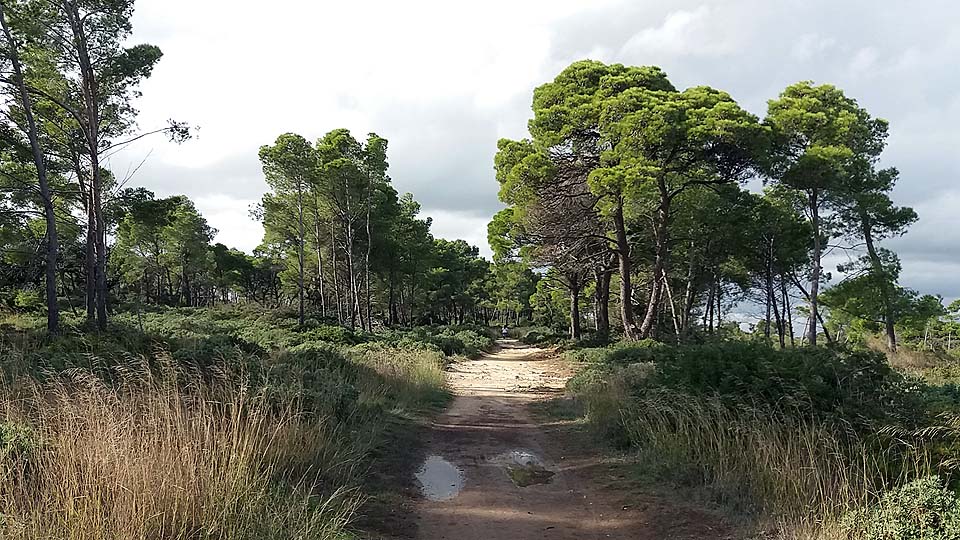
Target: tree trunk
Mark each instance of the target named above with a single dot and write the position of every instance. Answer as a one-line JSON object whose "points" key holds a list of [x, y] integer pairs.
{"points": [[661, 237], [91, 129], [816, 269], [889, 320], [574, 286], [770, 298], [301, 234], [673, 309], [39, 161], [603, 301], [708, 308], [366, 258], [335, 272], [787, 310], [90, 259], [626, 290], [323, 296]]}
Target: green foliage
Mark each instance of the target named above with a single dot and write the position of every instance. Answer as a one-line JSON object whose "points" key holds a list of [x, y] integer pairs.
{"points": [[921, 510], [17, 441], [28, 300], [452, 340], [852, 386]]}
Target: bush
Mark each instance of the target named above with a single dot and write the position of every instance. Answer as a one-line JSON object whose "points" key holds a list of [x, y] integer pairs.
{"points": [[620, 353], [17, 441], [851, 385], [921, 510], [540, 335]]}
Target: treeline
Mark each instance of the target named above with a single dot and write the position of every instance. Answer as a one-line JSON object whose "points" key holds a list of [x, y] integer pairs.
{"points": [[346, 245], [628, 193], [339, 243]]}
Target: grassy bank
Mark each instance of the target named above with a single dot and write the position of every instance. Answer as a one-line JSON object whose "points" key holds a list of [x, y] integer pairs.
{"points": [[809, 443], [218, 424]]}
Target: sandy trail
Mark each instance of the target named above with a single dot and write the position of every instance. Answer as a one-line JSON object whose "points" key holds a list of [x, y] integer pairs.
{"points": [[489, 431]]}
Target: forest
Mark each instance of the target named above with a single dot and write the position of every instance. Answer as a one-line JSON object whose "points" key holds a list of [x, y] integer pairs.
{"points": [[719, 286]]}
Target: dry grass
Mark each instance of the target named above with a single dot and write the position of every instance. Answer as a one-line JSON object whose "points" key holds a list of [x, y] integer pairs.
{"points": [[410, 378], [800, 474], [168, 457]]}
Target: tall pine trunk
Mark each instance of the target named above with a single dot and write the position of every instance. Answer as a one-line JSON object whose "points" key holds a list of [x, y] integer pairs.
{"points": [[91, 129], [889, 319], [602, 300], [660, 233], [816, 269], [39, 161], [626, 289]]}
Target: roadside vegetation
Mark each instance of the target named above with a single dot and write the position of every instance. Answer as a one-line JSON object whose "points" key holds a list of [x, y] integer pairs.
{"points": [[212, 423]]}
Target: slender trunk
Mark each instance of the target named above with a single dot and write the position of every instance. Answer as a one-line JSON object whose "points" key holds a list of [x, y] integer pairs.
{"points": [[39, 161], [91, 102], [661, 238], [626, 290], [335, 272], [301, 234], [323, 296], [769, 289], [689, 294], [366, 258], [889, 319], [603, 301], [574, 309], [787, 309], [90, 261], [719, 303], [816, 269], [777, 318], [673, 309], [392, 297], [708, 308]]}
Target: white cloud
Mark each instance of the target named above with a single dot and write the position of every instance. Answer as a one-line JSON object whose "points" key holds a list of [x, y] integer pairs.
{"points": [[683, 32], [809, 46], [454, 225], [231, 218]]}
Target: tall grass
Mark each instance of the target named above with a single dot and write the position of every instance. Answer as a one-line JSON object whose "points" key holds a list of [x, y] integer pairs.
{"points": [[168, 457], [804, 475], [411, 378], [797, 471], [151, 448]]}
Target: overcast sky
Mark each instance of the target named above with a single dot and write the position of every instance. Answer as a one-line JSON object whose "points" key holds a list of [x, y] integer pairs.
{"points": [[443, 80]]}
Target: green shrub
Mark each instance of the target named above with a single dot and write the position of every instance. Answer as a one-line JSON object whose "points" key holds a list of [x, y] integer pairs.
{"points": [[622, 353], [854, 385], [16, 441], [921, 510], [28, 300]]}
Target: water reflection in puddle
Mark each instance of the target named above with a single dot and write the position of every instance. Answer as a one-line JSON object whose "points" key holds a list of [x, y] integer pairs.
{"points": [[439, 479], [524, 468]]}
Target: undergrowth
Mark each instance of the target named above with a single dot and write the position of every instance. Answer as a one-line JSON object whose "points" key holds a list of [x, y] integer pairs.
{"points": [[208, 424], [799, 439]]}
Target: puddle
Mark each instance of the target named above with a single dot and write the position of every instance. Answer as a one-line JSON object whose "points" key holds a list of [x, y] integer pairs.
{"points": [[525, 468], [439, 479]]}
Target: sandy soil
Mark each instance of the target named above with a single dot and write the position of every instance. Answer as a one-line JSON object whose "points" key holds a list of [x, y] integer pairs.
{"points": [[586, 498]]}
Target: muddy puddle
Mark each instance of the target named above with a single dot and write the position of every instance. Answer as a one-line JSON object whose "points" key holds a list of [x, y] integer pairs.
{"points": [[439, 479], [524, 468]]}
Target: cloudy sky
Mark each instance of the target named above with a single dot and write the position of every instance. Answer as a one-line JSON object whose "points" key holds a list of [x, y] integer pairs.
{"points": [[443, 80]]}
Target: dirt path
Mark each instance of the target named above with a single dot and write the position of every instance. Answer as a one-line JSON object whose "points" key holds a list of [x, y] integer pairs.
{"points": [[487, 445]]}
